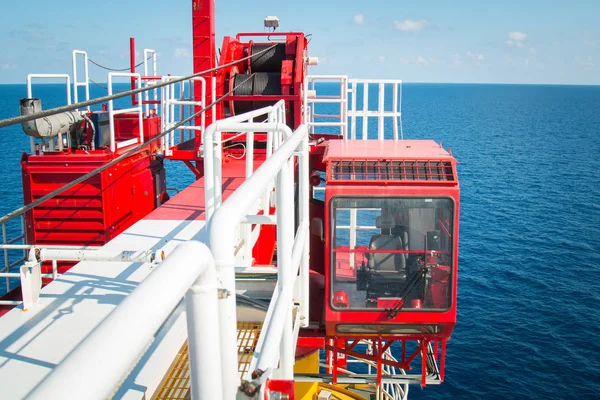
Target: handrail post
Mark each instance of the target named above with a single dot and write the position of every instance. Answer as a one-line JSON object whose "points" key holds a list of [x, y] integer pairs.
{"points": [[285, 238], [225, 221], [304, 189]]}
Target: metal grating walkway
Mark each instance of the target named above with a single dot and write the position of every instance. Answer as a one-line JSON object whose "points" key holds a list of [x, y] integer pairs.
{"points": [[247, 335], [176, 384]]}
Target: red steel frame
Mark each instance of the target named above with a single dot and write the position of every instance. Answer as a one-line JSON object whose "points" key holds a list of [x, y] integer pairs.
{"points": [[336, 343]]}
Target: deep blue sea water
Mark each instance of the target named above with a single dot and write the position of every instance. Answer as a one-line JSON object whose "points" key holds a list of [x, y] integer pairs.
{"points": [[529, 269]]}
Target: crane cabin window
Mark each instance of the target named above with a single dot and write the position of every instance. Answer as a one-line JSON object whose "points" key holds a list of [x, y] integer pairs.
{"points": [[391, 253]]}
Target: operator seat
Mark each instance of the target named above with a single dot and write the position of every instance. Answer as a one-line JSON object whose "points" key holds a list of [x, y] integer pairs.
{"points": [[386, 263]]}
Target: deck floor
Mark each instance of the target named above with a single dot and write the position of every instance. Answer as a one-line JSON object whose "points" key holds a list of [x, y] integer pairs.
{"points": [[33, 342]]}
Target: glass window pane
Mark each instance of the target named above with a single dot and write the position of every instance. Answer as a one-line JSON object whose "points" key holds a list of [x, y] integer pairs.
{"points": [[391, 252]]}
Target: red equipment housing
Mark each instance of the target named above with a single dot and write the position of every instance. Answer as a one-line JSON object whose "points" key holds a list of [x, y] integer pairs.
{"points": [[410, 189]]}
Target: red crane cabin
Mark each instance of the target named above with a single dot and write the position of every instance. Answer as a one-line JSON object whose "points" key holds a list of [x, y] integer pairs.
{"points": [[391, 239]]}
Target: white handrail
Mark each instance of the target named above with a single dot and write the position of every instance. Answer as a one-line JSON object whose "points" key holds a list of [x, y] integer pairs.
{"points": [[212, 159], [350, 111], [189, 268], [381, 113], [154, 73], [222, 239], [168, 103], [112, 112], [9, 245], [86, 82]]}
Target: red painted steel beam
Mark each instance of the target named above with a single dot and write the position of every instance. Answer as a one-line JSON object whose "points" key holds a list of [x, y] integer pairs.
{"points": [[423, 363], [371, 357], [204, 50], [132, 68]]}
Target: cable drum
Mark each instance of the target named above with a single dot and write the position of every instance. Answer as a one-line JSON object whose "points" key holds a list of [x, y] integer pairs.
{"points": [[243, 84], [269, 61], [264, 83], [267, 83]]}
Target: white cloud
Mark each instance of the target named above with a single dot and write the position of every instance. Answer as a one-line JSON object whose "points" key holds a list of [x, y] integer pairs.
{"points": [[516, 39], [455, 59], [517, 36], [421, 60], [381, 59], [478, 57], [533, 51], [359, 19], [8, 66], [409, 25], [182, 53], [587, 64]]}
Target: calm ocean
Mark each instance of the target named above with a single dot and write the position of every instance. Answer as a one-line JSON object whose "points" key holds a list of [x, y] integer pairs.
{"points": [[529, 270]]}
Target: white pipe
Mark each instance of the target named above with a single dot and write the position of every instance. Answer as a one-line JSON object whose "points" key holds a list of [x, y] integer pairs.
{"points": [[211, 140], [111, 110], [285, 236], [249, 153], [304, 188], [395, 109], [299, 244], [260, 219], [136, 320], [204, 338], [96, 255], [365, 121], [75, 83], [221, 227], [353, 112], [381, 110], [85, 82], [213, 83]]}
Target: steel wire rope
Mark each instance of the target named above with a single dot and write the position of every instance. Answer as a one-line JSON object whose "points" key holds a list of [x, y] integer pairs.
{"points": [[98, 100], [25, 208], [117, 69]]}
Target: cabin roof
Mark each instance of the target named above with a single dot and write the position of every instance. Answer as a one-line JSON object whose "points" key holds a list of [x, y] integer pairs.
{"points": [[385, 150]]}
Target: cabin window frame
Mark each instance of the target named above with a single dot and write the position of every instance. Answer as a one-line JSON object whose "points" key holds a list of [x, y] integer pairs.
{"points": [[331, 266]]}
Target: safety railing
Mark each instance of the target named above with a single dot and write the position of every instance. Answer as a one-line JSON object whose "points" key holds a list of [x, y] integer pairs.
{"points": [[365, 105], [188, 271], [176, 106], [362, 89], [150, 55], [53, 143], [320, 109], [226, 234], [209, 287], [85, 83], [112, 112], [32, 257], [12, 256]]}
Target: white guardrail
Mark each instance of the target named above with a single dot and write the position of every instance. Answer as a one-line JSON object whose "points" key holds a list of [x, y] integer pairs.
{"points": [[346, 97], [112, 112], [207, 278], [189, 270]]}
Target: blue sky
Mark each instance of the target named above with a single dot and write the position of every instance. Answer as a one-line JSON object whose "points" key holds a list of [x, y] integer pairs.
{"points": [[526, 41]]}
